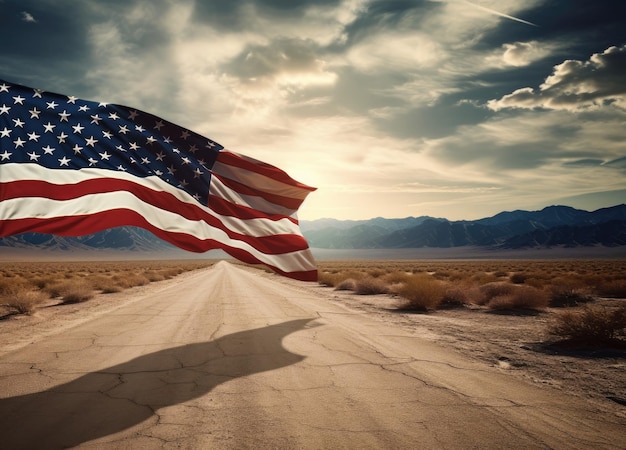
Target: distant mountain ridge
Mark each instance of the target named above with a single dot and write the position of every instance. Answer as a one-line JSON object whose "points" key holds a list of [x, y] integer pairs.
{"points": [[121, 238], [552, 226]]}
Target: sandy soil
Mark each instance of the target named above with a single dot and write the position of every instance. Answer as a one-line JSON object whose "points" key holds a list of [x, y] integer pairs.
{"points": [[516, 344]]}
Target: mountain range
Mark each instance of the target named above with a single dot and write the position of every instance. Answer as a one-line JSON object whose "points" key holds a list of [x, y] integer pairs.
{"points": [[554, 226]]}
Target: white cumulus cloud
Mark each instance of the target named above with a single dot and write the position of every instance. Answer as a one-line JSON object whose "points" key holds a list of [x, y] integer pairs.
{"points": [[575, 85]]}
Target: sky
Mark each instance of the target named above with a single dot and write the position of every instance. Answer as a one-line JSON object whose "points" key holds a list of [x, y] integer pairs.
{"points": [[394, 108]]}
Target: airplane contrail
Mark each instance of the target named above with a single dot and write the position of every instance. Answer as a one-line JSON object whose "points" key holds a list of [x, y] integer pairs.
{"points": [[490, 11], [497, 13]]}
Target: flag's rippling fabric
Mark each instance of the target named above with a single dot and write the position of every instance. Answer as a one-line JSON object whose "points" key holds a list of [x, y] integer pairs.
{"points": [[73, 167]]}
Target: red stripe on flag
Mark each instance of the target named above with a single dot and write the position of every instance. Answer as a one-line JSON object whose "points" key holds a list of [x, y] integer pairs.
{"points": [[93, 223], [243, 189], [235, 160], [271, 245], [226, 208]]}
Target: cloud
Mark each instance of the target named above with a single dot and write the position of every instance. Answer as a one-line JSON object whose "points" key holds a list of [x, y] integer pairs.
{"points": [[28, 17], [285, 61], [528, 142], [519, 54], [575, 85]]}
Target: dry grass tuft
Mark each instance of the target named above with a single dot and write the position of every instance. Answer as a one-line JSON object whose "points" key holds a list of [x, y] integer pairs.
{"points": [[454, 297], [77, 292], [24, 284], [489, 291], [332, 279], [592, 325], [153, 276], [612, 288], [11, 284], [522, 297], [421, 293], [346, 285], [569, 294], [129, 280], [370, 286], [24, 300]]}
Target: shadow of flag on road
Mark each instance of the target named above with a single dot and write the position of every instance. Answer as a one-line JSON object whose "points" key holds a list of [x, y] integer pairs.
{"points": [[111, 400]]}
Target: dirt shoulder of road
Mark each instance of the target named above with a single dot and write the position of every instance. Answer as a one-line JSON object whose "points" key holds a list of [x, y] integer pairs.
{"points": [[515, 343], [52, 317], [512, 343]]}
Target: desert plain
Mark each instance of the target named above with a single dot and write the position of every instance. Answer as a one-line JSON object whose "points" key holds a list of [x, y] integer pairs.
{"points": [[222, 355]]}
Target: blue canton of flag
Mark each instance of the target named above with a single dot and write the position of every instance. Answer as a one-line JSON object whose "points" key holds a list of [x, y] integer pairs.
{"points": [[63, 131]]}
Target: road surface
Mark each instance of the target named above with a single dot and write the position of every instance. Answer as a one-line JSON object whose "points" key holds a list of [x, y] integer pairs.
{"points": [[232, 357]]}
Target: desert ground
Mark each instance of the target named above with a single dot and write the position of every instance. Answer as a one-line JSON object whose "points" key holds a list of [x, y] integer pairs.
{"points": [[376, 371]]}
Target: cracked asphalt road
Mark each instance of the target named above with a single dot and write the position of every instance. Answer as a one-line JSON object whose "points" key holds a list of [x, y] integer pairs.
{"points": [[232, 357]]}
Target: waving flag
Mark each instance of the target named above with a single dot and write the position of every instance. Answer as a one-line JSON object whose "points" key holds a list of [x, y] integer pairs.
{"points": [[73, 167]]}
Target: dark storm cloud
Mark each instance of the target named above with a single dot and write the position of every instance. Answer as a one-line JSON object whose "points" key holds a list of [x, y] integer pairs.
{"points": [[54, 42], [55, 50]]}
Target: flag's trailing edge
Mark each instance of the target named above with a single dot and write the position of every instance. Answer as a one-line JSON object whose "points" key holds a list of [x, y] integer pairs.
{"points": [[73, 167]]}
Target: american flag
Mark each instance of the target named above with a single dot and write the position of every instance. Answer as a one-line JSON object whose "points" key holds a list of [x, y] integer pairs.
{"points": [[73, 167]]}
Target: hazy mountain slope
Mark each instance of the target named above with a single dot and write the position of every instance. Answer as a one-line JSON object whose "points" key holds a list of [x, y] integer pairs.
{"points": [[512, 228]]}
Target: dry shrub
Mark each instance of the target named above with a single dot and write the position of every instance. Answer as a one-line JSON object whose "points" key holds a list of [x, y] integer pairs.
{"points": [[519, 278], [326, 278], [539, 283], [568, 293], [110, 287], [333, 279], [489, 291], [153, 276], [612, 288], [484, 278], [521, 297], [77, 292], [375, 273], [57, 288], [421, 293], [441, 274], [370, 286], [24, 300], [104, 283], [42, 281], [474, 295], [346, 285], [129, 280], [11, 284], [396, 277], [172, 272], [592, 325], [454, 297]]}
